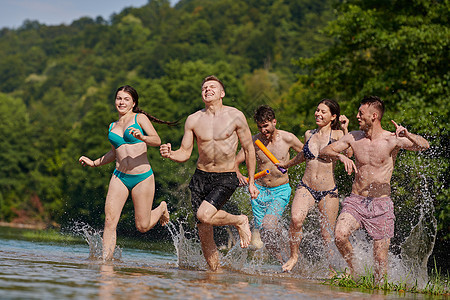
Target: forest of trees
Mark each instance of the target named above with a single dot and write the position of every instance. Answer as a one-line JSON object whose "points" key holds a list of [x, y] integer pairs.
{"points": [[57, 85]]}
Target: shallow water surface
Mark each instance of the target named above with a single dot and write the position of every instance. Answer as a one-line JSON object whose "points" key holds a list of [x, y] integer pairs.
{"points": [[42, 270]]}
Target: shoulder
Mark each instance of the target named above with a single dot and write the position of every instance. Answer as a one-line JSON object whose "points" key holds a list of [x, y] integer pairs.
{"points": [[390, 137], [193, 118], [237, 116], [337, 134], [256, 137], [388, 140], [354, 135], [308, 133], [140, 117], [287, 136], [195, 115], [233, 111]]}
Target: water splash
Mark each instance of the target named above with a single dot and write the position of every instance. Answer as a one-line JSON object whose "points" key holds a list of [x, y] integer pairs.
{"points": [[94, 240], [189, 252], [418, 246], [408, 256], [415, 227]]}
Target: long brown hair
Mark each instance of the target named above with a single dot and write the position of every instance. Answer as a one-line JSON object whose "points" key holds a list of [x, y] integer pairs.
{"points": [[335, 109], [134, 95]]}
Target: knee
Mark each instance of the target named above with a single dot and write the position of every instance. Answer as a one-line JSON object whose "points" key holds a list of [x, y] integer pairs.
{"points": [[297, 222], [340, 236], [143, 227], [202, 217]]}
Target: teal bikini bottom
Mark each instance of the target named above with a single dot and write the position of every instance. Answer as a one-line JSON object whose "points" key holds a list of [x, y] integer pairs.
{"points": [[131, 180]]}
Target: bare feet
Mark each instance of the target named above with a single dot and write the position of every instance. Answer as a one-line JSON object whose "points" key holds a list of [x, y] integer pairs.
{"points": [[244, 231], [256, 242], [290, 264], [165, 217]]}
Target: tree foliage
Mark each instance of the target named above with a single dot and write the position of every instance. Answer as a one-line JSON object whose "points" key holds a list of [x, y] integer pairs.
{"points": [[57, 85], [397, 50]]}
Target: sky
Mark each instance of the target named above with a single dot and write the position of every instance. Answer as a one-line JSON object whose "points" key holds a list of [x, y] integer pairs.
{"points": [[55, 12]]}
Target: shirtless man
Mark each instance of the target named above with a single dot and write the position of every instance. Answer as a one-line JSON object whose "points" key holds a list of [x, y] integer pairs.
{"points": [[217, 129], [274, 188], [370, 206]]}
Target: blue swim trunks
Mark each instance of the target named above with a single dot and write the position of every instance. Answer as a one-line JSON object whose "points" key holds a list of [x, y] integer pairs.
{"points": [[270, 201]]}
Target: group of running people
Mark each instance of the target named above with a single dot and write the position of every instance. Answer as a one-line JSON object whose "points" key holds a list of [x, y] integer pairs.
{"points": [[218, 129]]}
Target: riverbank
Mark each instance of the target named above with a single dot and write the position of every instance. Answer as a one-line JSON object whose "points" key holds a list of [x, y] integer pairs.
{"points": [[38, 226]]}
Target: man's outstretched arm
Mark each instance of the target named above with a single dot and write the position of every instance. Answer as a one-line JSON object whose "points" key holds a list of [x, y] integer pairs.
{"points": [[409, 141], [187, 144], [333, 152]]}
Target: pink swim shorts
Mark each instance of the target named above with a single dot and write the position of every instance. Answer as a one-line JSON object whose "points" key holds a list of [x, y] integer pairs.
{"points": [[376, 215]]}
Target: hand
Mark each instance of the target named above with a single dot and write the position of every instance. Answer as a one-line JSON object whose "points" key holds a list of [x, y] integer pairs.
{"points": [[86, 161], [242, 179], [165, 150], [400, 131], [136, 133], [253, 190], [344, 123], [348, 164], [283, 165]]}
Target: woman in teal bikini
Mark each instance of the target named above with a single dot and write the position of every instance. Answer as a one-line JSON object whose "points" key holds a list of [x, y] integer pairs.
{"points": [[129, 136], [317, 185]]}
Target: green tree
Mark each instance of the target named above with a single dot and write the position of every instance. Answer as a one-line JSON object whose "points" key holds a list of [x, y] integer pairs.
{"points": [[397, 50], [85, 188], [16, 159]]}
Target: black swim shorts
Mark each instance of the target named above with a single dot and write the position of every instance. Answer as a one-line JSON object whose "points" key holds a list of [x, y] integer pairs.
{"points": [[215, 188]]}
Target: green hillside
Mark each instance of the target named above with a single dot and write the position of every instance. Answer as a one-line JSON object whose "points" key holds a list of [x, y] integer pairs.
{"points": [[57, 85]]}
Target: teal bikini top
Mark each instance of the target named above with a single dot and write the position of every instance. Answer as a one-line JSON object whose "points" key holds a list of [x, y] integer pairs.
{"points": [[127, 138]]}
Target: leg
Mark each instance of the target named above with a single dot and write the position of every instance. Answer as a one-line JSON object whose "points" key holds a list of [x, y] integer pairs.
{"points": [[270, 234], [145, 217], [345, 225], [115, 200], [380, 254], [278, 199], [258, 210], [208, 214], [209, 248], [328, 208], [302, 203]]}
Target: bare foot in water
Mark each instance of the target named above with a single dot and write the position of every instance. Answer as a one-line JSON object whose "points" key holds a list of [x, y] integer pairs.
{"points": [[290, 264], [244, 231], [165, 217], [256, 242]]}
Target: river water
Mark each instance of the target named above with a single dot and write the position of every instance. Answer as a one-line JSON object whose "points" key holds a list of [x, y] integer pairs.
{"points": [[63, 270]]}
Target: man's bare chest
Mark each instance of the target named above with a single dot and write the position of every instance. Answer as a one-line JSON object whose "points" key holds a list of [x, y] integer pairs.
{"points": [[214, 131], [373, 153]]}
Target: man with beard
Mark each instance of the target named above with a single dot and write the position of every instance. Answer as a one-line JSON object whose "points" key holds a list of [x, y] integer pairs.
{"points": [[274, 188], [370, 206]]}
